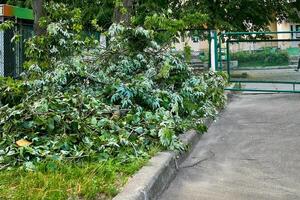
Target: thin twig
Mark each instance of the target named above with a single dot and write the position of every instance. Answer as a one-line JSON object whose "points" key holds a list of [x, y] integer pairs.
{"points": [[4, 166]]}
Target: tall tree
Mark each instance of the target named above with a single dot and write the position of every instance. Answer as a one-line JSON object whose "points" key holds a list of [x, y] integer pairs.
{"points": [[123, 11], [38, 10]]}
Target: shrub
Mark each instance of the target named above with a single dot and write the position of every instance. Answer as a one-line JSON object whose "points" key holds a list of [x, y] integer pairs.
{"points": [[102, 103], [265, 57]]}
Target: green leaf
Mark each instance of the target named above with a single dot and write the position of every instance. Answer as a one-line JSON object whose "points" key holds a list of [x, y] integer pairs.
{"points": [[166, 136], [94, 121], [28, 124], [50, 124], [139, 130]]}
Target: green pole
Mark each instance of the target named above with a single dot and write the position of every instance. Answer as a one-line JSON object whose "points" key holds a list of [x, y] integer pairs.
{"points": [[228, 59], [258, 33], [220, 54], [216, 50]]}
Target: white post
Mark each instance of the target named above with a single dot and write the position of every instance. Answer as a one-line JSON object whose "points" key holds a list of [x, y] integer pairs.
{"points": [[103, 41], [213, 50]]}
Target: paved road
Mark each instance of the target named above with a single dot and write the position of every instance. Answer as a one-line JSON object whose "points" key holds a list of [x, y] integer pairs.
{"points": [[268, 86], [251, 152], [269, 75]]}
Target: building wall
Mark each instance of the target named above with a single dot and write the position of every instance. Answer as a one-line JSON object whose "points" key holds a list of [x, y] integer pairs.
{"points": [[201, 45], [286, 26], [273, 27], [251, 46]]}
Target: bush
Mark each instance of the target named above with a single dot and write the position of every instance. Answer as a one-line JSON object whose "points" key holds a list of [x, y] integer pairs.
{"points": [[265, 57], [113, 102]]}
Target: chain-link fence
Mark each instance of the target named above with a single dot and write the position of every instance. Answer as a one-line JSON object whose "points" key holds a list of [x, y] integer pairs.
{"points": [[12, 52]]}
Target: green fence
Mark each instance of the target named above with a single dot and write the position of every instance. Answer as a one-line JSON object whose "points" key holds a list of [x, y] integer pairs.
{"points": [[13, 52], [261, 61]]}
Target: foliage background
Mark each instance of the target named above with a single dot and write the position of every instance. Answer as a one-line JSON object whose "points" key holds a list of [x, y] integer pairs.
{"points": [[235, 15]]}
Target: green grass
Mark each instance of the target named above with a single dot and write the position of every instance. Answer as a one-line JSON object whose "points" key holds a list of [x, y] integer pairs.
{"points": [[57, 180]]}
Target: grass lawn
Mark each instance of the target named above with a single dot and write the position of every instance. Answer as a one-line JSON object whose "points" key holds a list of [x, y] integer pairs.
{"points": [[56, 180]]}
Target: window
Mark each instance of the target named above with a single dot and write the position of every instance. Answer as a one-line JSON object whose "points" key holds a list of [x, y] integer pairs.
{"points": [[298, 29]]}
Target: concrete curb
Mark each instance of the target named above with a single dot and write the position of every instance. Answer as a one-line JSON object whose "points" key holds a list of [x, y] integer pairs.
{"points": [[156, 176]]}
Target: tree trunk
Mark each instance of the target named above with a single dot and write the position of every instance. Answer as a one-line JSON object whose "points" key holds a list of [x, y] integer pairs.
{"points": [[38, 10], [124, 17]]}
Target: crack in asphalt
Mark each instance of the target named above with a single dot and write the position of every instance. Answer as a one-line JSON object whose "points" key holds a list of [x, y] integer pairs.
{"points": [[212, 154]]}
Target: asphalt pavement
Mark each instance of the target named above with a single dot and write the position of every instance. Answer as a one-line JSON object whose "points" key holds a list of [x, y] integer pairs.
{"points": [[252, 151]]}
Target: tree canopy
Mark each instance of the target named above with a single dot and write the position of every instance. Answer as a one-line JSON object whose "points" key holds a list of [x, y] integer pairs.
{"points": [[294, 12], [229, 15], [239, 15]]}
